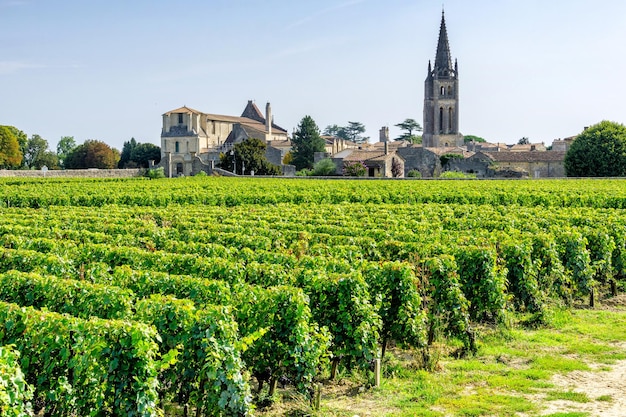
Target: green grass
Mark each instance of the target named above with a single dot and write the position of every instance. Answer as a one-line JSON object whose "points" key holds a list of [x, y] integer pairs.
{"points": [[511, 366], [605, 398], [568, 396]]}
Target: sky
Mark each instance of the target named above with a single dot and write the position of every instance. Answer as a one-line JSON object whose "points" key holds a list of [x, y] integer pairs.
{"points": [[108, 69]]}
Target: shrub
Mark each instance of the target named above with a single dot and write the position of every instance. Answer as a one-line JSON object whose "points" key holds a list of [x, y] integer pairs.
{"points": [[414, 173], [448, 157], [354, 169], [456, 175], [324, 168], [156, 173]]}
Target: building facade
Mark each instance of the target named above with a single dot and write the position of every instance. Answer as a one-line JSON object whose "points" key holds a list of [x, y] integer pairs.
{"points": [[189, 134], [441, 97]]}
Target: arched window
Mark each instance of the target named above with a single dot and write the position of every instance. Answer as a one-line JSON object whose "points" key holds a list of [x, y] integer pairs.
{"points": [[443, 90], [450, 119], [177, 147], [441, 119], [449, 90]]}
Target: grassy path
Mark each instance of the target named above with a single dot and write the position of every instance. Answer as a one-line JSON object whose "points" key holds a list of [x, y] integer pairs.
{"points": [[574, 368]]}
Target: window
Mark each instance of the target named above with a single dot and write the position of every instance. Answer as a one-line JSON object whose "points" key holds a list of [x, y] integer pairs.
{"points": [[449, 90], [180, 118], [450, 119], [443, 90], [177, 147], [441, 119]]}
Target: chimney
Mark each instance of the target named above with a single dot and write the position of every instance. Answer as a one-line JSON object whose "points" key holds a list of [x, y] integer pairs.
{"points": [[383, 134], [384, 137], [268, 120]]}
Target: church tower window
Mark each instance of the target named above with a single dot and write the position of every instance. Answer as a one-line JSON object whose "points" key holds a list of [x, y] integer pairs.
{"points": [[441, 119]]}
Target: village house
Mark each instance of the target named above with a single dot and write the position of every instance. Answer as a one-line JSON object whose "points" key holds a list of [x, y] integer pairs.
{"points": [[382, 161], [335, 144]]}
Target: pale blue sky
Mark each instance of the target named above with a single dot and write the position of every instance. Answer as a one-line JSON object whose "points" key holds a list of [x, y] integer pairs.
{"points": [[107, 70]]}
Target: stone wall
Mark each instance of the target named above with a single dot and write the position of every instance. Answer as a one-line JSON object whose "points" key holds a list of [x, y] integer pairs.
{"points": [[79, 173], [470, 166], [421, 159], [274, 155]]}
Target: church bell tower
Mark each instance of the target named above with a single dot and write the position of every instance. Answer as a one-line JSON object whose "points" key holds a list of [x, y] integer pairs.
{"points": [[441, 97]]}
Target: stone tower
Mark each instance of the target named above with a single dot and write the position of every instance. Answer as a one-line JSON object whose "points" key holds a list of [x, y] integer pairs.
{"points": [[441, 97]]}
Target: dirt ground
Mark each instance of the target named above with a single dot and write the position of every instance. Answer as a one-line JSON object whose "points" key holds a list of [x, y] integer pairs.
{"points": [[605, 386], [606, 390]]}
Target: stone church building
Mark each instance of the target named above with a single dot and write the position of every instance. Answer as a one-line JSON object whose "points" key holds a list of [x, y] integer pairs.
{"points": [[441, 97], [191, 141]]}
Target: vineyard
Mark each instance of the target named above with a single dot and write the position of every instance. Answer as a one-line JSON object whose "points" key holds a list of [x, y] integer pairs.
{"points": [[118, 297]]}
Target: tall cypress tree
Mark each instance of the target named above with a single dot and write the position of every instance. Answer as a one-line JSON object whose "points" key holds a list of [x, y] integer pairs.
{"points": [[306, 141]]}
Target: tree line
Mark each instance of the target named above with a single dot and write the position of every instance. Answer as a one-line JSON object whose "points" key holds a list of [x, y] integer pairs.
{"points": [[18, 151]]}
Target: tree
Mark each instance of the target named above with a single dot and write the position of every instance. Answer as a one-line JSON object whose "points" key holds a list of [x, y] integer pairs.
{"points": [[143, 153], [306, 141], [127, 150], [409, 126], [523, 141], [37, 154], [334, 130], [22, 140], [35, 149], [248, 156], [64, 147], [472, 138], [135, 154], [48, 159], [10, 154], [92, 154], [599, 151], [354, 132]]}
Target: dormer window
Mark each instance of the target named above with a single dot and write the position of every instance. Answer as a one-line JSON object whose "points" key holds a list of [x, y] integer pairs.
{"points": [[180, 118]]}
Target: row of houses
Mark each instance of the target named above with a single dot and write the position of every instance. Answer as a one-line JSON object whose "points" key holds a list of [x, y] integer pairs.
{"points": [[192, 141]]}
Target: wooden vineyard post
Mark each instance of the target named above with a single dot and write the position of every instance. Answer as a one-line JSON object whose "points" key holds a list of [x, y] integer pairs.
{"points": [[317, 397], [377, 372]]}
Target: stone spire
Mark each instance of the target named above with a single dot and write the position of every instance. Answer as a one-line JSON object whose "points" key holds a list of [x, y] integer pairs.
{"points": [[443, 61], [441, 97]]}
